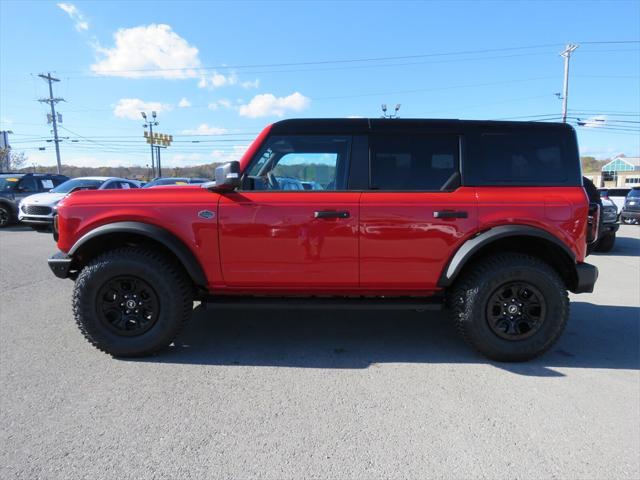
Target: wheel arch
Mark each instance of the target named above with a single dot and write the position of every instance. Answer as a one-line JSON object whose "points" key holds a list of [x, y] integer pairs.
{"points": [[515, 238], [113, 235]]}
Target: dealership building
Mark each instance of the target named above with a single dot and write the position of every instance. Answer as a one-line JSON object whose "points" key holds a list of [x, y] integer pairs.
{"points": [[621, 171]]}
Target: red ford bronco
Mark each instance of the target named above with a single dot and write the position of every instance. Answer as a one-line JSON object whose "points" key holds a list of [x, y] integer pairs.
{"points": [[488, 220]]}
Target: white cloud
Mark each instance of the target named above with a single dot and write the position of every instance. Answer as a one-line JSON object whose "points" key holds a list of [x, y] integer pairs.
{"points": [[74, 14], [222, 103], [217, 80], [594, 122], [251, 84], [148, 51], [268, 104], [205, 129], [184, 103], [131, 107], [222, 156]]}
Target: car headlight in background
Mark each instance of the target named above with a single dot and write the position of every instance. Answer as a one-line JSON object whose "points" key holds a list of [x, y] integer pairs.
{"points": [[609, 214]]}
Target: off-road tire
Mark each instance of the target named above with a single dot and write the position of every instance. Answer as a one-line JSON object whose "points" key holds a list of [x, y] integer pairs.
{"points": [[606, 243], [469, 297], [173, 288]]}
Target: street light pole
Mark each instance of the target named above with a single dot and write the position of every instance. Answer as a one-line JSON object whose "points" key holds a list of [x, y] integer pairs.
{"points": [[151, 124]]}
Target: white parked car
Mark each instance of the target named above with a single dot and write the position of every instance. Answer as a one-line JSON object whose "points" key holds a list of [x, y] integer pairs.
{"points": [[37, 210]]}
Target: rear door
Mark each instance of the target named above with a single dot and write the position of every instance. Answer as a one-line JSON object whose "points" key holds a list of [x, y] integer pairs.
{"points": [[277, 237], [414, 214]]}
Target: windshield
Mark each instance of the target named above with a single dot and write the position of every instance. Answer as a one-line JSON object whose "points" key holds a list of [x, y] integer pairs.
{"points": [[69, 185], [8, 184], [167, 181], [635, 193]]}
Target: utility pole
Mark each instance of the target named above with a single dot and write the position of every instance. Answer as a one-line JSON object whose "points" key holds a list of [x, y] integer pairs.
{"points": [[566, 53], [149, 136], [52, 102]]}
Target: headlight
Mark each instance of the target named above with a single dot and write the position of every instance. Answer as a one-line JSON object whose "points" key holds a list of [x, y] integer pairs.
{"points": [[609, 214]]}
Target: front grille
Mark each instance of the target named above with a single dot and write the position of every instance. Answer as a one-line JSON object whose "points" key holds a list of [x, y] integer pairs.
{"points": [[36, 210]]}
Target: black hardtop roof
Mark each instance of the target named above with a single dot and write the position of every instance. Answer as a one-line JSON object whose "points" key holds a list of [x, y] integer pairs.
{"points": [[395, 125]]}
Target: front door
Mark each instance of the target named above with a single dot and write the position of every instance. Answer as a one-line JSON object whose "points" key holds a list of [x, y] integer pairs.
{"points": [[293, 226]]}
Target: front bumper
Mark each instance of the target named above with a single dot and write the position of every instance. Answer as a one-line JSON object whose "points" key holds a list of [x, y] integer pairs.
{"points": [[630, 214], [36, 220], [587, 275], [60, 265]]}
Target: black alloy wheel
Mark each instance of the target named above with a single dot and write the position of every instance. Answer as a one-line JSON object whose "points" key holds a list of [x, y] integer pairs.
{"points": [[127, 305], [516, 310]]}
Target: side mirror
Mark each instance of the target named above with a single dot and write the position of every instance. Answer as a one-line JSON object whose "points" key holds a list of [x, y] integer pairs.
{"points": [[227, 178]]}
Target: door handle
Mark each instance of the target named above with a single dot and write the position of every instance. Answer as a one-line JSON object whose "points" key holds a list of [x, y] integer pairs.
{"points": [[331, 214], [450, 214]]}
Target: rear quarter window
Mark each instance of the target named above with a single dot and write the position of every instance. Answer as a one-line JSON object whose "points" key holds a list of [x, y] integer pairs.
{"points": [[522, 158]]}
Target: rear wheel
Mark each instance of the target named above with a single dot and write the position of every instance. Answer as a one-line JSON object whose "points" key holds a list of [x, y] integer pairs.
{"points": [[510, 307], [132, 301]]}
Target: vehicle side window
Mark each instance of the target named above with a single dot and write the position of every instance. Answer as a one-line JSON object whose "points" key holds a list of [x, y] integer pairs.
{"points": [[46, 184], [285, 162], [525, 157], [29, 184], [413, 162], [111, 186]]}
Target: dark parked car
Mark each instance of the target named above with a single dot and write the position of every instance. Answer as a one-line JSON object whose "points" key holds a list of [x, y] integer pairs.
{"points": [[15, 186], [608, 226], [631, 209], [174, 181]]}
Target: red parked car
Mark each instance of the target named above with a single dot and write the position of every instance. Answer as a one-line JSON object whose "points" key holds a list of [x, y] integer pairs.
{"points": [[489, 220]]}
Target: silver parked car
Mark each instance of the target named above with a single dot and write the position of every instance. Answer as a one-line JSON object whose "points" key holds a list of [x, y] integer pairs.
{"points": [[38, 210]]}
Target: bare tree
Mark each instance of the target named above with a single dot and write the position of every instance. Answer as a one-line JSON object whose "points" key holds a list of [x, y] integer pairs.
{"points": [[12, 161]]}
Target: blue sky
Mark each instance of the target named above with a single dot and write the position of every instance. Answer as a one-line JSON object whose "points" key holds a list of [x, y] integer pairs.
{"points": [[212, 68]]}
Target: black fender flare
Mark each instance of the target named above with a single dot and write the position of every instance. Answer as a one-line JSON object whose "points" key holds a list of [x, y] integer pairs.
{"points": [[475, 244], [160, 235]]}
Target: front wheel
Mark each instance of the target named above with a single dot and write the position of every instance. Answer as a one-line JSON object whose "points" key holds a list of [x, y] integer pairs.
{"points": [[510, 307], [132, 301], [606, 243], [5, 216]]}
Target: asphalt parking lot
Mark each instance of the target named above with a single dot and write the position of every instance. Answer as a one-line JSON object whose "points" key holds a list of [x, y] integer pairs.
{"points": [[285, 394]]}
